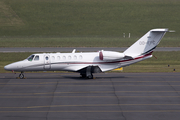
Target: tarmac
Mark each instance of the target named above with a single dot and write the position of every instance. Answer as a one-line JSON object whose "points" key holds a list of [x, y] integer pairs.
{"points": [[109, 96]]}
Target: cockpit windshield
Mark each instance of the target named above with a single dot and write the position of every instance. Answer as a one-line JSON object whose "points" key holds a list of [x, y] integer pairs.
{"points": [[30, 58]]}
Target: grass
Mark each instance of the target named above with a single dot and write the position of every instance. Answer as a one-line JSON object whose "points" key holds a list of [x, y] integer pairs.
{"points": [[151, 68], [92, 23], [65, 42], [150, 65], [79, 42], [69, 18]]}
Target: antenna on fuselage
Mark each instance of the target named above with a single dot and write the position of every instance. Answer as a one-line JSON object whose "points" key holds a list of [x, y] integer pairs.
{"points": [[74, 51]]}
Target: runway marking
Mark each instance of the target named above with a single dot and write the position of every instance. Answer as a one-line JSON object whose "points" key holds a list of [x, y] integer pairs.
{"points": [[106, 92], [130, 111], [84, 85], [103, 105], [88, 96], [88, 92], [89, 105], [44, 83]]}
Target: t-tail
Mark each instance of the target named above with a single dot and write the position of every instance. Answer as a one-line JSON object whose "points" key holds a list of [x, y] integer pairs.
{"points": [[146, 44]]}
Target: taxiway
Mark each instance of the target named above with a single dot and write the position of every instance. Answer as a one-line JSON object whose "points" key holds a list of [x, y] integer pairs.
{"points": [[110, 96]]}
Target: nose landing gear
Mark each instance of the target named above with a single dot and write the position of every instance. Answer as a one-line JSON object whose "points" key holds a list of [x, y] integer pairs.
{"points": [[21, 75]]}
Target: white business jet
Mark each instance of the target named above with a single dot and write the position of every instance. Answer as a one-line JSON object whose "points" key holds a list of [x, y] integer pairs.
{"points": [[88, 63]]}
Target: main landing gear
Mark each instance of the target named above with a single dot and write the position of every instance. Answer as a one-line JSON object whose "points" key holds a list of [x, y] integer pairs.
{"points": [[88, 73], [89, 76]]}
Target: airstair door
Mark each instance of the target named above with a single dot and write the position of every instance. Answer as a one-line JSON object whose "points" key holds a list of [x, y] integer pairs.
{"points": [[47, 62]]}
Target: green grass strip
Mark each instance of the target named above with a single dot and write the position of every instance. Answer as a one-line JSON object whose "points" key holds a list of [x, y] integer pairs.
{"points": [[79, 42]]}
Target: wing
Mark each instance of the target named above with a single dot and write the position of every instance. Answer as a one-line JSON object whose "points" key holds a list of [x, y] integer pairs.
{"points": [[92, 69]]}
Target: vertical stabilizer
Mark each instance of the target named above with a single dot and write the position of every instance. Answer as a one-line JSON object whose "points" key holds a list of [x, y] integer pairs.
{"points": [[147, 43]]}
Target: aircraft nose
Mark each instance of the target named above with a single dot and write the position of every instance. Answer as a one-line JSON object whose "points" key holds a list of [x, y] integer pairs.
{"points": [[7, 67], [10, 67], [13, 66]]}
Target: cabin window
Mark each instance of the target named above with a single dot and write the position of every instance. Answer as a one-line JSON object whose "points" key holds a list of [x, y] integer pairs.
{"points": [[47, 57], [36, 58], [53, 58], [30, 58], [80, 57], [75, 57], [58, 58], [69, 57], [64, 57]]}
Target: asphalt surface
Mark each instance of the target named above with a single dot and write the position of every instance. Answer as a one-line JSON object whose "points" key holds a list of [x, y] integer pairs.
{"points": [[83, 49], [109, 96]]}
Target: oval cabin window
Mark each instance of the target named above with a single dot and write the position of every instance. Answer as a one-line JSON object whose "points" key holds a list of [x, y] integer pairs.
{"points": [[64, 57], [58, 58], [80, 57], [75, 57], [53, 58], [69, 57]]}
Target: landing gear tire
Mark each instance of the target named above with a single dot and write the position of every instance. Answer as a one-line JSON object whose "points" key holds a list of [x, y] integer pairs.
{"points": [[90, 76], [21, 76], [83, 75], [87, 76], [87, 73]]}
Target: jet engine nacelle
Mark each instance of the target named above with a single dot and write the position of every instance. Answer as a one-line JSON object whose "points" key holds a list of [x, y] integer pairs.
{"points": [[110, 55]]}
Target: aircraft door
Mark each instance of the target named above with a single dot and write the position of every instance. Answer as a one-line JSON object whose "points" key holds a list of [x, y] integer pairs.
{"points": [[47, 62]]}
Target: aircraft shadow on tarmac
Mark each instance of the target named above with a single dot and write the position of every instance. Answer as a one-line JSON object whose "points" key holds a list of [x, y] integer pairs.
{"points": [[95, 77], [61, 76]]}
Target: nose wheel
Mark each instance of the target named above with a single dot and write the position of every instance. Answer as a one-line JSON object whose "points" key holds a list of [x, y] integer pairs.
{"points": [[21, 75]]}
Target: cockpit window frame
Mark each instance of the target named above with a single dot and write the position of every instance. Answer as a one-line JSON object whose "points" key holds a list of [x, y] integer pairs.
{"points": [[31, 57]]}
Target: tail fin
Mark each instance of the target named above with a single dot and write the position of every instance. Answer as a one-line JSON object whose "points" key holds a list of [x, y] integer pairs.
{"points": [[147, 43]]}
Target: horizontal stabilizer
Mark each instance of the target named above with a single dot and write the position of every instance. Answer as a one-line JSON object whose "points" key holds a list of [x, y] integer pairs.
{"points": [[128, 57]]}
